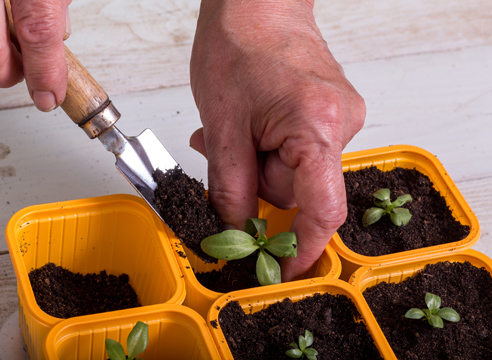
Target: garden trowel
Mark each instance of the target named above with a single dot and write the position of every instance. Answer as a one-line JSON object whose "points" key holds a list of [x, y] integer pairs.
{"points": [[88, 105]]}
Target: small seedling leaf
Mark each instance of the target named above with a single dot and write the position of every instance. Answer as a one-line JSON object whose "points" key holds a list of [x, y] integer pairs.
{"points": [[311, 354], [294, 353], [382, 195], [372, 215], [229, 245], [137, 339], [433, 302], [256, 226], [400, 200], [115, 350], [448, 314], [309, 338], [283, 244], [267, 269], [414, 313], [302, 343], [400, 216], [435, 321]]}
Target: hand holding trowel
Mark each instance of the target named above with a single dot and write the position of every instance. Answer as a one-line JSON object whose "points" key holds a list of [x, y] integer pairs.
{"points": [[137, 157]]}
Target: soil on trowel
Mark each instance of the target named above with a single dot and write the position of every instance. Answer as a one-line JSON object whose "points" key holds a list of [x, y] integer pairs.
{"points": [[432, 222], [64, 294], [266, 335], [462, 287], [184, 206]]}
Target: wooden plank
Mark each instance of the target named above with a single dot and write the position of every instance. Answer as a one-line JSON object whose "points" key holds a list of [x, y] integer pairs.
{"points": [[133, 46]]}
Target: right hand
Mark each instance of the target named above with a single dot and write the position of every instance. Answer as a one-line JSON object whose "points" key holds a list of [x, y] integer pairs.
{"points": [[41, 26]]}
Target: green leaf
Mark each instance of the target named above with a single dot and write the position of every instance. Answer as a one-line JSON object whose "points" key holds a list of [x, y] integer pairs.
{"points": [[435, 321], [382, 194], [400, 200], [267, 269], [309, 338], [115, 350], [372, 215], [294, 353], [283, 244], [294, 345], [448, 314], [229, 245], [256, 226], [302, 343], [432, 301], [138, 340], [414, 313], [311, 354], [400, 216]]}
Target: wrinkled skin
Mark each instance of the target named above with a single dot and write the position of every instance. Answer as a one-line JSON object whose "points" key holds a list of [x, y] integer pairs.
{"points": [[40, 26], [277, 111], [276, 108]]}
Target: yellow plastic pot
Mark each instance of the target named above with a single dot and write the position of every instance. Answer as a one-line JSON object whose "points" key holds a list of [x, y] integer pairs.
{"points": [[254, 300], [175, 333], [115, 233], [410, 157], [366, 277], [200, 298]]}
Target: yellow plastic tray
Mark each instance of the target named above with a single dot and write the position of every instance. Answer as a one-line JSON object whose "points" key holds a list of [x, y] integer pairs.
{"points": [[253, 300], [200, 298], [410, 157], [366, 277], [175, 333], [116, 233]]}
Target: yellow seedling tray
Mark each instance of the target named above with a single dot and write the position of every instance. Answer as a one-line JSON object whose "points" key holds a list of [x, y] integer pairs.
{"points": [[366, 277], [410, 157], [200, 298], [175, 333], [254, 300], [117, 233]]}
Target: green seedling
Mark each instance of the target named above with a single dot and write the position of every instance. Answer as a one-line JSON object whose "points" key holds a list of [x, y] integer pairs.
{"points": [[136, 343], [433, 314], [237, 244], [399, 216], [303, 350]]}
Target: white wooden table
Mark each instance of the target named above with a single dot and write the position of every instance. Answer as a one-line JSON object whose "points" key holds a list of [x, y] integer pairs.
{"points": [[423, 67]]}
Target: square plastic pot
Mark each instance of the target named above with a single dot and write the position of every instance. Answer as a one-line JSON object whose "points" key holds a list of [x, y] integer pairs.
{"points": [[117, 233], [366, 277], [254, 300], [409, 157], [175, 333], [201, 298]]}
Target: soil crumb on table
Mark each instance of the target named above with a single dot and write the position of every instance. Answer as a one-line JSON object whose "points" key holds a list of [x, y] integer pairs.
{"points": [[183, 205], [64, 294], [266, 334], [432, 222]]}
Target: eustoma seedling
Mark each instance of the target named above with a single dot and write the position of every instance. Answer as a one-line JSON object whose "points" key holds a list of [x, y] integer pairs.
{"points": [[399, 216], [433, 313]]}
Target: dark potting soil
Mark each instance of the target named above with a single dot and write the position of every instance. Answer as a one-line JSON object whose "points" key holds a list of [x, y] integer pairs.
{"points": [[64, 294], [234, 275], [461, 286], [266, 335], [432, 222], [183, 205]]}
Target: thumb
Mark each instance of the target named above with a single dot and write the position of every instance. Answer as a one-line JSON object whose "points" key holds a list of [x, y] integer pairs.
{"points": [[40, 26], [232, 175]]}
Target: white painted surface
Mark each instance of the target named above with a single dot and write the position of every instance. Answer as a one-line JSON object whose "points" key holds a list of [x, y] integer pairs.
{"points": [[423, 68]]}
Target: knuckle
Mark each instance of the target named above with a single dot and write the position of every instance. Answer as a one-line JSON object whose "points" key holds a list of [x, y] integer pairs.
{"points": [[39, 30]]}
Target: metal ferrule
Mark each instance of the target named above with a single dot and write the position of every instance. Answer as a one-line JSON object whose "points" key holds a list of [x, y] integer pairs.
{"points": [[101, 122]]}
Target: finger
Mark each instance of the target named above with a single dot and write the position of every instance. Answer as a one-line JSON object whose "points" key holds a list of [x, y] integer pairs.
{"points": [[40, 26], [10, 60], [320, 194], [276, 181], [197, 142], [232, 174]]}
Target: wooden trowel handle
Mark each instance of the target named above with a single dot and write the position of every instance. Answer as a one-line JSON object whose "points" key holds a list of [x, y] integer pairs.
{"points": [[86, 102]]}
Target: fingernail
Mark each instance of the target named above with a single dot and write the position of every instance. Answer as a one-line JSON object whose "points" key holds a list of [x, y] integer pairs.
{"points": [[44, 100], [68, 26]]}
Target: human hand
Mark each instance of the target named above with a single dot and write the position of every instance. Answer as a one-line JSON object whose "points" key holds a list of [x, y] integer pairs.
{"points": [[277, 111], [41, 26]]}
